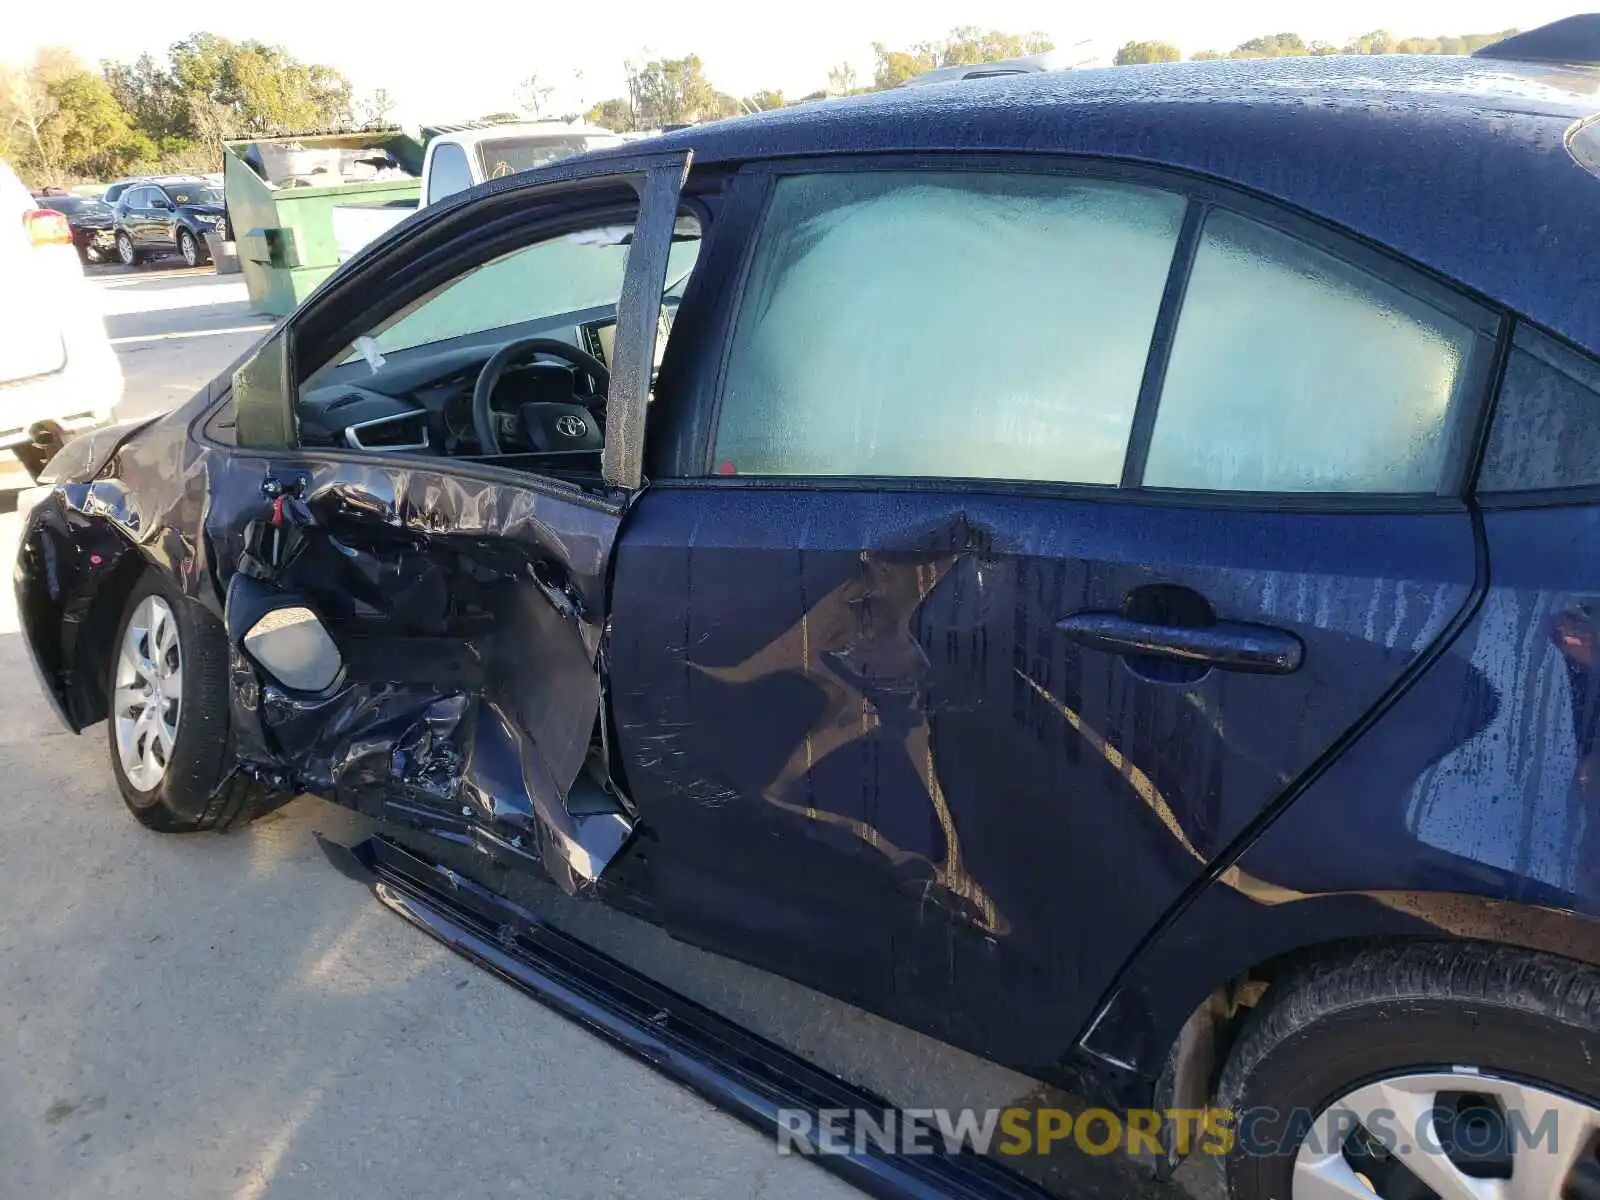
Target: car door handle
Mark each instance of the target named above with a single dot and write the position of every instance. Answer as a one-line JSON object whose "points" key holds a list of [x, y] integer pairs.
{"points": [[1226, 645]]}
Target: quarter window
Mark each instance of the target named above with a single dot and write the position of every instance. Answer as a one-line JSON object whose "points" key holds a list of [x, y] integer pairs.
{"points": [[1293, 371], [1546, 430], [946, 324]]}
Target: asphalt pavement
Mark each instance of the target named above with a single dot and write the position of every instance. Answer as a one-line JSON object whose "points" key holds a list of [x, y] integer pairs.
{"points": [[227, 1016], [173, 330]]}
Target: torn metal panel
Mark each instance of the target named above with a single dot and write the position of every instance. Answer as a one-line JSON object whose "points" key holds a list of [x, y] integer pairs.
{"points": [[62, 567], [121, 497], [468, 616]]}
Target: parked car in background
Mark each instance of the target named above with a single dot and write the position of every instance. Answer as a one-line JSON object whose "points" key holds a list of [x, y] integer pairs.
{"points": [[114, 191], [58, 373], [1116, 591], [93, 224], [460, 159], [169, 215]]}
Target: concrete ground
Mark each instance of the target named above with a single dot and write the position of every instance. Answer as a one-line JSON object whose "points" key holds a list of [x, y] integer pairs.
{"points": [[173, 330], [227, 1016]]}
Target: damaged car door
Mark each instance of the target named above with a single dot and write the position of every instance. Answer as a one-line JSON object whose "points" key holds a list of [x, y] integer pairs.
{"points": [[1005, 579], [417, 594]]}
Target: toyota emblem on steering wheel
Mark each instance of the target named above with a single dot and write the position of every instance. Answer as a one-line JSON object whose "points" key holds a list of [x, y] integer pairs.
{"points": [[570, 426]]}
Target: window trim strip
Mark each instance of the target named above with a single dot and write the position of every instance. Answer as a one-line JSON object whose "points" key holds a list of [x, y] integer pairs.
{"points": [[1162, 337]]}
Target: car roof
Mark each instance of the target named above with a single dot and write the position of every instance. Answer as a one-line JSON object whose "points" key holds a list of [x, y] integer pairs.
{"points": [[1457, 163], [157, 180]]}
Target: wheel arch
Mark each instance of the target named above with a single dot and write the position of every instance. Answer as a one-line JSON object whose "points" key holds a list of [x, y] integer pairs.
{"points": [[72, 585], [1161, 1036]]}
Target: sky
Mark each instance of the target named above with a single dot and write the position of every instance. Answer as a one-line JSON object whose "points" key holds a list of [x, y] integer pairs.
{"points": [[470, 62]]}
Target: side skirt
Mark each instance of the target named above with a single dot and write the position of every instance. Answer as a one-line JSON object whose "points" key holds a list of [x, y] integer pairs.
{"points": [[745, 1075]]}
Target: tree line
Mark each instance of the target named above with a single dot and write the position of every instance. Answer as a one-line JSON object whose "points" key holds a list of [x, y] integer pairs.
{"points": [[62, 120], [676, 91], [1288, 45]]}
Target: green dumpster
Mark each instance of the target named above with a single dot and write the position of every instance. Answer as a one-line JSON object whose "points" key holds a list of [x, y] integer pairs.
{"points": [[281, 211]]}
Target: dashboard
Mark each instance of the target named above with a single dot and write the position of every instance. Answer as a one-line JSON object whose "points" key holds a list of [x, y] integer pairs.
{"points": [[419, 400]]}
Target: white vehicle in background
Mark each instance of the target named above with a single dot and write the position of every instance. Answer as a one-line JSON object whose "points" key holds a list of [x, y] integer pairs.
{"points": [[58, 373], [459, 159]]}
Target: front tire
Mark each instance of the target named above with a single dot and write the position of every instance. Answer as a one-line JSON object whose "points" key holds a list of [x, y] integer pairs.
{"points": [[127, 252], [168, 719], [189, 246], [1404, 1073]]}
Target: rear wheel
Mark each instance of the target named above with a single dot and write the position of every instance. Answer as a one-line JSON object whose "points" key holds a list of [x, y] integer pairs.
{"points": [[1422, 1071], [168, 724], [127, 252]]}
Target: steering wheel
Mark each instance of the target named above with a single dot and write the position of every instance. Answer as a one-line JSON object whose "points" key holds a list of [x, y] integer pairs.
{"points": [[489, 378]]}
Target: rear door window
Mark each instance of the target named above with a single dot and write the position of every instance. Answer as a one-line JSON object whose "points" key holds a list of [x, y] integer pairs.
{"points": [[970, 325], [1294, 371]]}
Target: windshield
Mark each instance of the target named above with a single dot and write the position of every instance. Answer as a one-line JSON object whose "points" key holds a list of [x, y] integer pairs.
{"points": [[567, 274], [200, 193], [507, 156]]}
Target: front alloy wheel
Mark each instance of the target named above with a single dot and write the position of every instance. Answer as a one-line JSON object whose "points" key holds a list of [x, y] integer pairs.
{"points": [[189, 248], [148, 699], [167, 690]]}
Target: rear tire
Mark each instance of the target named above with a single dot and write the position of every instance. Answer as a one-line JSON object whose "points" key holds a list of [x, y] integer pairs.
{"points": [[1400, 1022], [181, 763], [127, 253]]}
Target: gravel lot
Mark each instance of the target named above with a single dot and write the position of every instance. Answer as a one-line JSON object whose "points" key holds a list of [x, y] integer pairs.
{"points": [[226, 1016]]}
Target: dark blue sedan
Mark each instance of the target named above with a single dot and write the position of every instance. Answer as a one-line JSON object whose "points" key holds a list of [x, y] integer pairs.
{"points": [[1101, 567]]}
